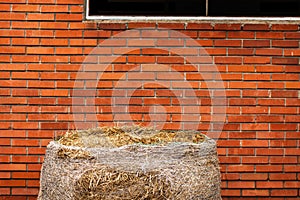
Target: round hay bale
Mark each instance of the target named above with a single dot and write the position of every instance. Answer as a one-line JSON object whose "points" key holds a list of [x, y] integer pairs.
{"points": [[130, 163]]}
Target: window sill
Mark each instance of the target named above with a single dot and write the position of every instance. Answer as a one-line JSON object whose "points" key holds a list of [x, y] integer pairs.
{"points": [[256, 20]]}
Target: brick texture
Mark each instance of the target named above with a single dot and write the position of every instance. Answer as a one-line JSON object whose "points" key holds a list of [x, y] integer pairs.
{"points": [[44, 42]]}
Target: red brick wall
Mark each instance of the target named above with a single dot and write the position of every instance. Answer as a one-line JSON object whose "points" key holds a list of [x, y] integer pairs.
{"points": [[43, 43]]}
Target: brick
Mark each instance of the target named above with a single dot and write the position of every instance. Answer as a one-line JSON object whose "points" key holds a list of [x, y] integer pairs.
{"points": [[4, 41], [269, 35], [197, 43], [240, 68], [241, 119], [172, 26], [269, 184], [5, 75], [230, 159], [69, 17], [12, 183], [255, 177], [5, 125], [212, 51], [12, 117], [55, 59], [255, 192], [285, 27], [41, 1], [199, 26], [285, 193], [270, 85], [228, 27], [70, 2], [5, 191], [285, 61], [56, 8], [291, 168], [241, 34], [256, 43], [240, 151], [55, 126], [255, 159], [279, 176], [25, 191], [27, 75], [285, 43], [5, 24], [283, 160], [254, 77], [271, 102], [53, 42], [40, 67], [292, 102], [241, 52], [292, 35], [256, 27], [269, 68], [257, 60], [291, 184], [39, 33], [12, 167], [13, 83], [53, 25], [81, 42], [77, 9], [282, 143], [270, 135], [4, 92], [240, 168], [210, 34], [230, 192], [11, 100], [241, 184], [12, 50], [269, 119], [68, 33], [40, 84], [227, 43], [268, 52], [170, 42], [4, 7], [25, 41], [292, 85], [25, 125], [40, 17], [25, 25], [17, 142], [280, 127], [292, 118], [25, 8], [269, 168], [12, 16], [228, 60], [68, 51], [40, 50], [5, 58], [27, 175], [288, 77], [254, 143], [40, 134]]}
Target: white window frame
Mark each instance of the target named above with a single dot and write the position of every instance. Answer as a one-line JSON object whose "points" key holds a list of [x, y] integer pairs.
{"points": [[206, 18]]}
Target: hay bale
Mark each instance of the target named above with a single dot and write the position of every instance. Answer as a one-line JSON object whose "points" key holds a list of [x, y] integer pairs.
{"points": [[130, 163]]}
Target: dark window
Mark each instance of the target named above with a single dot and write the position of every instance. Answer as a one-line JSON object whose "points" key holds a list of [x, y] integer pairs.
{"points": [[255, 8], [148, 7]]}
